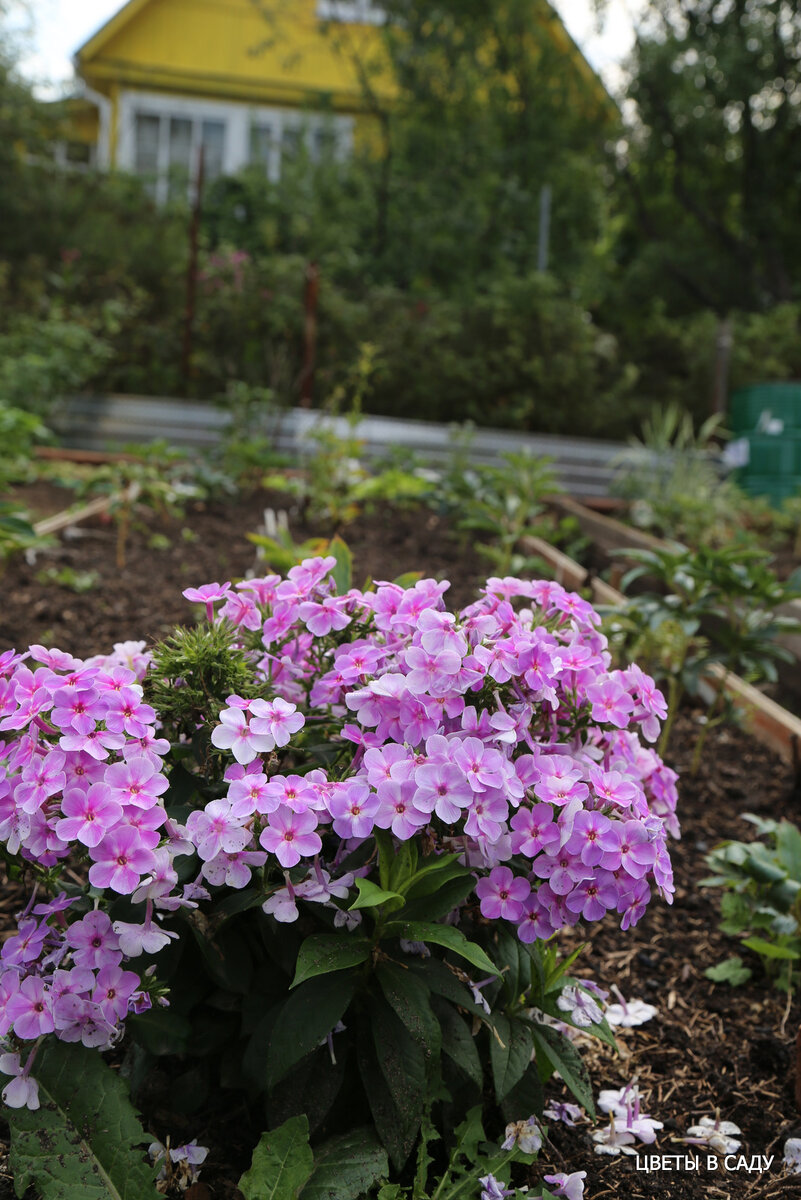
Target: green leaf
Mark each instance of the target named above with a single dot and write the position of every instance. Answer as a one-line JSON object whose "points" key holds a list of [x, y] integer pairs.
{"points": [[282, 1163], [731, 970], [770, 949], [443, 935], [458, 1042], [160, 1031], [408, 995], [556, 1051], [402, 1070], [342, 574], [308, 1015], [788, 848], [346, 1166], [326, 952], [510, 1052], [83, 1142], [371, 895], [527, 1096], [441, 900], [403, 866]]}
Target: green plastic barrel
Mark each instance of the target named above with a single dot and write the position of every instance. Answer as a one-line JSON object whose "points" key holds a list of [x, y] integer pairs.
{"points": [[768, 416]]}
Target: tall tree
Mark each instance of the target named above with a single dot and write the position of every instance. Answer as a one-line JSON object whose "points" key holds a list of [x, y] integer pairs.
{"points": [[713, 164]]}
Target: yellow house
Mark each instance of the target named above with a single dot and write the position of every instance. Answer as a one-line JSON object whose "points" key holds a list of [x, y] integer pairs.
{"points": [[248, 80]]}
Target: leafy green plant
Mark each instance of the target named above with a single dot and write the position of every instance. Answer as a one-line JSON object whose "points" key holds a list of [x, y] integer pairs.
{"points": [[714, 606], [503, 501], [67, 577], [672, 482], [761, 903]]}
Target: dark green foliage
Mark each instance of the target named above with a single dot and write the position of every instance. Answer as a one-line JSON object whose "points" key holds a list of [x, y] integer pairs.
{"points": [[760, 903], [85, 1141], [193, 673]]}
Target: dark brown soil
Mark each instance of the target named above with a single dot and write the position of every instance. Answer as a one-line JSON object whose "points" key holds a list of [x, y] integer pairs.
{"points": [[163, 556], [711, 1047]]}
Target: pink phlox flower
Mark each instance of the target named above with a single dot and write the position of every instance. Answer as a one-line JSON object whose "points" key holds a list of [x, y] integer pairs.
{"points": [[26, 945], [48, 656], [586, 839], [241, 611], [119, 861], [147, 822], [611, 703], [232, 869], [593, 898], [397, 809], [292, 791], [42, 778], [499, 661], [311, 572], [291, 836], [127, 713], [324, 617], [235, 734], [570, 1187], [263, 589], [353, 806], [22, 1091], [29, 1009], [633, 850], [502, 894], [79, 1019], [113, 988], [77, 708], [217, 827], [431, 673], [426, 593], [251, 789], [93, 941], [562, 869], [88, 814], [611, 787], [49, 907], [209, 595], [389, 761], [282, 906], [437, 631], [564, 1112], [560, 780], [441, 787], [505, 728], [487, 816], [482, 766], [96, 743], [277, 719]]}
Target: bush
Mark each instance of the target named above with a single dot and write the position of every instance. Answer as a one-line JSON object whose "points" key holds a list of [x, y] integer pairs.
{"points": [[326, 807]]}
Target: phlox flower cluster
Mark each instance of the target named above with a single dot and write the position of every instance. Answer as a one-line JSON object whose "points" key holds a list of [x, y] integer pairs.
{"points": [[502, 729], [81, 767], [501, 733]]}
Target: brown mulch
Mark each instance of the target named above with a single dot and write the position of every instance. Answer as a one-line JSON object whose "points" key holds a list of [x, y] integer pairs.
{"points": [[710, 1047]]}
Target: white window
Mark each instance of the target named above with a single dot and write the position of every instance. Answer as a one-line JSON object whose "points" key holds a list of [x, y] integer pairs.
{"points": [[166, 149], [278, 137], [362, 12]]}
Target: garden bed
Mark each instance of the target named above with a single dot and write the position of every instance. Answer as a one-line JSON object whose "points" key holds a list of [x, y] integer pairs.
{"points": [[710, 1046]]}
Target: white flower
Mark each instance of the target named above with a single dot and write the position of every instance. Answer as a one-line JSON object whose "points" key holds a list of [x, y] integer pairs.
{"points": [[712, 1132], [630, 1013], [526, 1134], [792, 1155], [611, 1140]]}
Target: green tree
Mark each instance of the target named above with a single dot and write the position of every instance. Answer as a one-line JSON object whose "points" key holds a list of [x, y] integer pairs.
{"points": [[713, 163]]}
